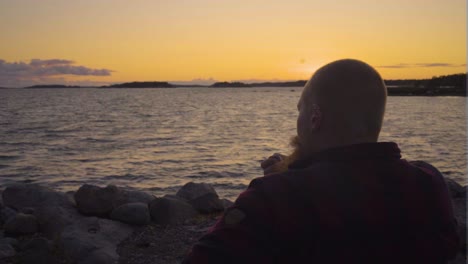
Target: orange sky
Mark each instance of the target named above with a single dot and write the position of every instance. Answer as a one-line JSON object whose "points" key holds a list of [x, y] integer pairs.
{"points": [[168, 40]]}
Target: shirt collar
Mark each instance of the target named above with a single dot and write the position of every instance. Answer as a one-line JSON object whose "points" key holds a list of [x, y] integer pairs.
{"points": [[380, 150]]}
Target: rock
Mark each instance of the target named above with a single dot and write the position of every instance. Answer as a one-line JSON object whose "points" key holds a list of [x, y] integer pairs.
{"points": [[6, 250], [71, 197], [201, 196], [53, 210], [38, 250], [132, 196], [173, 196], [169, 211], [7, 247], [94, 200], [37, 243], [53, 219], [459, 259], [91, 239], [455, 189], [459, 209], [81, 239], [132, 213], [191, 190], [99, 256], [463, 194], [227, 203], [32, 195], [6, 213], [9, 240], [208, 203], [21, 224], [27, 210]]}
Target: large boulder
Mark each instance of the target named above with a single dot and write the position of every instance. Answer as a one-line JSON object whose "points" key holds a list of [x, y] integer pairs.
{"points": [[459, 259], [38, 250], [455, 189], [93, 240], [6, 249], [82, 239], [227, 203], [459, 208], [98, 201], [132, 213], [170, 211], [53, 210], [94, 200], [191, 190], [202, 197], [135, 196], [19, 196], [21, 224], [6, 213]]}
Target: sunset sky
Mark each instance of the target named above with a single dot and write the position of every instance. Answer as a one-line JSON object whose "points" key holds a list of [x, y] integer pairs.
{"points": [[111, 41]]}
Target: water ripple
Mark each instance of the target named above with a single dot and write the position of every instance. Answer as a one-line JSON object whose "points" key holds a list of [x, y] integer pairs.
{"points": [[160, 139]]}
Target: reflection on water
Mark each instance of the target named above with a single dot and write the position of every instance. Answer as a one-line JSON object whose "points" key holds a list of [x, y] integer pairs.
{"points": [[159, 139]]}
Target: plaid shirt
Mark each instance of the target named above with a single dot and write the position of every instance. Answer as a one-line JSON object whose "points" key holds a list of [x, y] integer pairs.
{"points": [[355, 204]]}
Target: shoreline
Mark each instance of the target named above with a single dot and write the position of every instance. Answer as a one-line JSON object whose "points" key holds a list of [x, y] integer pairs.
{"points": [[90, 224], [394, 91], [112, 224]]}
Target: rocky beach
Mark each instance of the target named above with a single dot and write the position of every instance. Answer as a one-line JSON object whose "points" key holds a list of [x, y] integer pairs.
{"points": [[117, 225]]}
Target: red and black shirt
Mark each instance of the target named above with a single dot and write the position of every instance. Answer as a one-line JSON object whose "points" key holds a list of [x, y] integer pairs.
{"points": [[355, 204]]}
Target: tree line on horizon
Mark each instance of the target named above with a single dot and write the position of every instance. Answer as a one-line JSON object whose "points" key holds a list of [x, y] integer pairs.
{"points": [[457, 81]]}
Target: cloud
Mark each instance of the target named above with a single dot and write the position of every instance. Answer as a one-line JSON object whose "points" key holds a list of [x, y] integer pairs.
{"points": [[41, 71], [420, 65], [38, 62]]}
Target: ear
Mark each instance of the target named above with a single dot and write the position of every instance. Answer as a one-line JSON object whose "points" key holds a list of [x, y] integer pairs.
{"points": [[316, 117]]}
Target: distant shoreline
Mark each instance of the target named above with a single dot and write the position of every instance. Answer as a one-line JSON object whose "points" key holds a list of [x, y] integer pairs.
{"points": [[393, 91], [449, 85]]}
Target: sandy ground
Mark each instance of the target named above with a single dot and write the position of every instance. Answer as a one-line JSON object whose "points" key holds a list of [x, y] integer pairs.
{"points": [[163, 245]]}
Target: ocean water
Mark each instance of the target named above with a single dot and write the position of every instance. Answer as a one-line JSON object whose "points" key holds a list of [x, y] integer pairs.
{"points": [[160, 139]]}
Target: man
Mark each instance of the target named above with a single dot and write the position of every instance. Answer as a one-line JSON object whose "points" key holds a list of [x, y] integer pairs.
{"points": [[341, 197]]}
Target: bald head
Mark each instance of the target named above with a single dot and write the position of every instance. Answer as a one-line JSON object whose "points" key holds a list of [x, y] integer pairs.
{"points": [[350, 97]]}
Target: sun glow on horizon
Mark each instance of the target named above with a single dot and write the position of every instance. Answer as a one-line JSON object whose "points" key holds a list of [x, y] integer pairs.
{"points": [[227, 41]]}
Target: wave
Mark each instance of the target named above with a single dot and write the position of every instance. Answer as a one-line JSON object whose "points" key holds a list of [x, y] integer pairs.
{"points": [[26, 130], [216, 175], [9, 157], [127, 176], [156, 139], [98, 140]]}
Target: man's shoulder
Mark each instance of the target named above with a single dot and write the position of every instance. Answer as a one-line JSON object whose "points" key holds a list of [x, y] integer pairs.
{"points": [[277, 186], [270, 181], [427, 170], [426, 167]]}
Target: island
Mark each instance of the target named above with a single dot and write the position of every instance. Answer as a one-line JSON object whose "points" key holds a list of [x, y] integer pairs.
{"points": [[52, 86], [230, 84], [446, 85], [299, 83], [141, 85]]}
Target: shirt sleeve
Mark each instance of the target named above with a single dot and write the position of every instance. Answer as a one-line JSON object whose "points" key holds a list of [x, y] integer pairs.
{"points": [[448, 226], [241, 235]]}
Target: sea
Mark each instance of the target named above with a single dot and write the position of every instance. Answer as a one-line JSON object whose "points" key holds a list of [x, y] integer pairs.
{"points": [[159, 139]]}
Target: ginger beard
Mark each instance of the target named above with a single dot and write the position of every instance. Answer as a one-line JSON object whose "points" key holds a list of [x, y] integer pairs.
{"points": [[282, 166], [298, 150]]}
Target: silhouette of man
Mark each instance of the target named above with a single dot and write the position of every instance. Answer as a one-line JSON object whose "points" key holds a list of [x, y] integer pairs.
{"points": [[341, 196]]}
